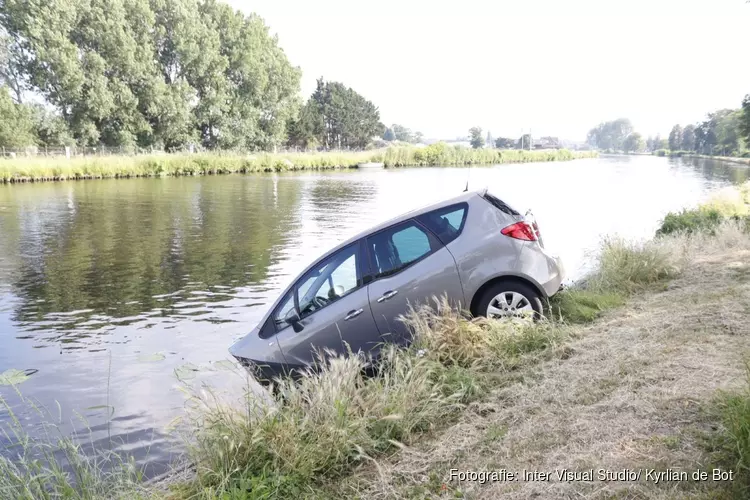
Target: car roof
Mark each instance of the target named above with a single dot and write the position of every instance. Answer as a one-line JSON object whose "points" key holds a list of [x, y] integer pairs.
{"points": [[406, 216]]}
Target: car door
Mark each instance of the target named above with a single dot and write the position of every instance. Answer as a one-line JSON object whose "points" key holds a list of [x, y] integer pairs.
{"points": [[327, 309], [410, 266]]}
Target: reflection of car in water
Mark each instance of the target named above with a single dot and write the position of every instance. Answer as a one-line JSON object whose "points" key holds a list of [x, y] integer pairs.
{"points": [[474, 248]]}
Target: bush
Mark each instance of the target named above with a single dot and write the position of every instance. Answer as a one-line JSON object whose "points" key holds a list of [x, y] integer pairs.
{"points": [[690, 221]]}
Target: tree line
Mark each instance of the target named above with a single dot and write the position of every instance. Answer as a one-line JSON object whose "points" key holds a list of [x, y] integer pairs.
{"points": [[162, 74], [722, 132]]}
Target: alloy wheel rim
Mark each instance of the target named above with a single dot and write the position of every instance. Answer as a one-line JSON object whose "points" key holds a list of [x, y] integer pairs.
{"points": [[510, 305]]}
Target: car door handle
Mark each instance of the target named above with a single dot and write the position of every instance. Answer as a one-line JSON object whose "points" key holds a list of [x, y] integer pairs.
{"points": [[387, 295], [353, 314]]}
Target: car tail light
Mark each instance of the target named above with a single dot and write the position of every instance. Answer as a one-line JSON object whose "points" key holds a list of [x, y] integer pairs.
{"points": [[521, 231], [536, 230]]}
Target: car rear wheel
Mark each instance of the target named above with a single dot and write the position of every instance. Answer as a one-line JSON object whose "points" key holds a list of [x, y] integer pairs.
{"points": [[510, 300]]}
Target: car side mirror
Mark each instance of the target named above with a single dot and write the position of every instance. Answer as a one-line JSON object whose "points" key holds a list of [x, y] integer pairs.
{"points": [[292, 318]]}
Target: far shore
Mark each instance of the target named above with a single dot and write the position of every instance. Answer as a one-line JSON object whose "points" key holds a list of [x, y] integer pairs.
{"points": [[41, 168]]}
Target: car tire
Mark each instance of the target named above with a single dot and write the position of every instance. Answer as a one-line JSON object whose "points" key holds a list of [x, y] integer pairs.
{"points": [[529, 301]]}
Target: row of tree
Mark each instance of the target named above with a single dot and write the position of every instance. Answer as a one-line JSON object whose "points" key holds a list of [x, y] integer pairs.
{"points": [[162, 74], [723, 132], [400, 133]]}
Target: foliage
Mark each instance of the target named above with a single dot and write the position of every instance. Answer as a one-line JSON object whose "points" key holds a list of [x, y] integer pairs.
{"points": [[58, 468], [163, 73], [16, 122], [41, 168], [389, 135], [744, 122], [504, 143], [475, 137], [688, 138], [654, 144], [337, 117], [720, 133], [690, 221], [728, 203], [675, 138], [610, 135], [634, 143]]}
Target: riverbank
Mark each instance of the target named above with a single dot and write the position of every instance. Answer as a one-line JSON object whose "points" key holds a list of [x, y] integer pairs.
{"points": [[730, 159], [36, 169], [658, 386], [340, 434]]}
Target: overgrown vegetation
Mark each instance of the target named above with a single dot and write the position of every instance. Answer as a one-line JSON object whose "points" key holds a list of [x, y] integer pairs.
{"points": [[730, 445], [56, 467], [42, 168], [727, 204], [317, 430]]}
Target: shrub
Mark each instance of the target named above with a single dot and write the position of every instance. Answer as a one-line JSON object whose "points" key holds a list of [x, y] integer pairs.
{"points": [[690, 221]]}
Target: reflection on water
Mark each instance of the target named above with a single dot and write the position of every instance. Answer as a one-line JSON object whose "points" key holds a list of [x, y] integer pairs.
{"points": [[98, 277]]}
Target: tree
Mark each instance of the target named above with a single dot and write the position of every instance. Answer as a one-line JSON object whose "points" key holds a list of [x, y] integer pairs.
{"points": [[720, 132], [343, 118], [475, 137], [304, 130], [389, 135], [504, 143], [524, 142], [490, 141], [688, 138], [50, 128], [402, 133], [418, 137], [675, 138], [10, 73], [610, 135], [745, 120], [16, 122], [159, 73], [633, 143]]}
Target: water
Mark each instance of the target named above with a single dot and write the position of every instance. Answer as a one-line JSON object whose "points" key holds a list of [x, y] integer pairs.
{"points": [[107, 287]]}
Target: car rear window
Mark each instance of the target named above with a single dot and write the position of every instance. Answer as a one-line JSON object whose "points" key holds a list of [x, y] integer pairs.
{"points": [[500, 204], [447, 222]]}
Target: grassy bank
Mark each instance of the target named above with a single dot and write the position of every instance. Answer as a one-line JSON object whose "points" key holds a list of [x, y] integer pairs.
{"points": [[97, 167], [317, 432], [479, 394]]}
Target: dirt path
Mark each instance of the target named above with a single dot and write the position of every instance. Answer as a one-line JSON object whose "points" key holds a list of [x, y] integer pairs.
{"points": [[630, 394]]}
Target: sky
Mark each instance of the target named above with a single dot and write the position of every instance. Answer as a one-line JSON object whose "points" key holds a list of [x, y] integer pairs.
{"points": [[556, 67]]}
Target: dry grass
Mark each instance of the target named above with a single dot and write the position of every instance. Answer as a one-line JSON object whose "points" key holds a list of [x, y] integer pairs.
{"points": [[633, 391]]}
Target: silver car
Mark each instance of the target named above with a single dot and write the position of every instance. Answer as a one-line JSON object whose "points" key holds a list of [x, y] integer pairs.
{"points": [[474, 248]]}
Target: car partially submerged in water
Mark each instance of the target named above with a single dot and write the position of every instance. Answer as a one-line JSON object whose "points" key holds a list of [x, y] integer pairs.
{"points": [[474, 248]]}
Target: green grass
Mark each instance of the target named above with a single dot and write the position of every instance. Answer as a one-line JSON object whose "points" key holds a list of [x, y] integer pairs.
{"points": [[55, 466], [309, 434], [578, 305], [732, 203], [728, 443], [97, 167]]}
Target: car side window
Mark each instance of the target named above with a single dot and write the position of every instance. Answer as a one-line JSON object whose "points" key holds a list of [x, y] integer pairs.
{"points": [[447, 223], [398, 247], [330, 280], [283, 310]]}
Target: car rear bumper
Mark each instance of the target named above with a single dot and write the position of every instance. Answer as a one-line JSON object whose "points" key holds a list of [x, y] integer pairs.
{"points": [[556, 276]]}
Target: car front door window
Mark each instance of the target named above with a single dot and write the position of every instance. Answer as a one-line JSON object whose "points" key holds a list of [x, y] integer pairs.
{"points": [[332, 279], [397, 248]]}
